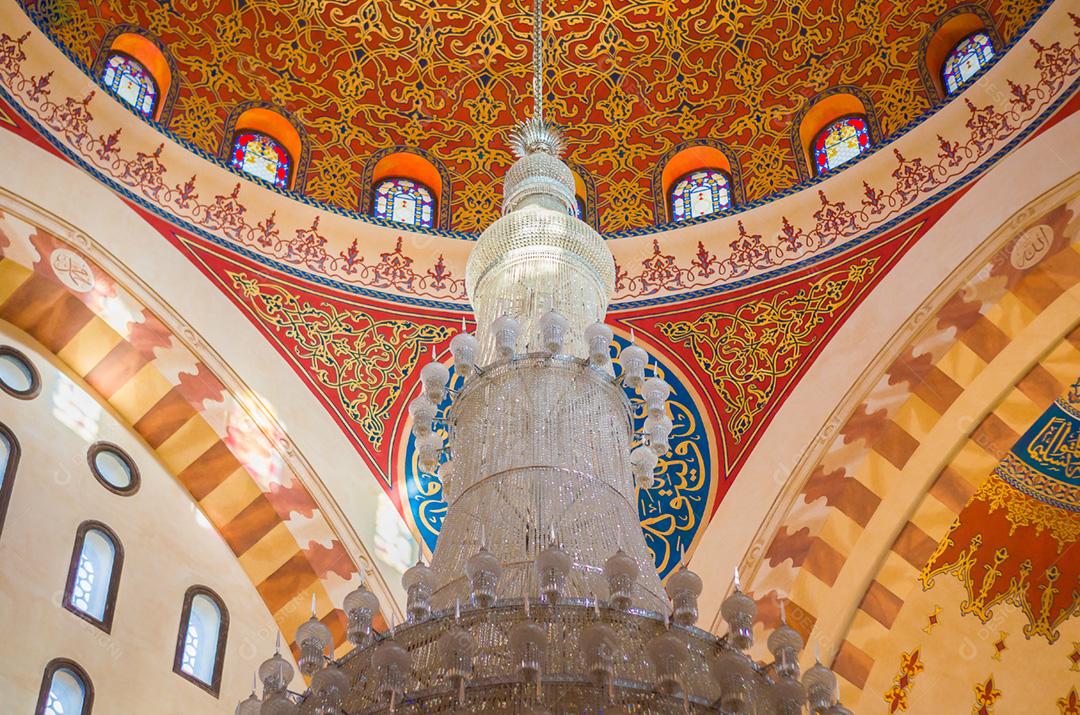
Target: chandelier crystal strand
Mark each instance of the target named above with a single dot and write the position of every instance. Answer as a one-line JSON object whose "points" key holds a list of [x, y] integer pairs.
{"points": [[548, 457]]}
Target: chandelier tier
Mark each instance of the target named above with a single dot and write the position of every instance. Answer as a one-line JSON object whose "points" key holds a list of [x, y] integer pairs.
{"points": [[542, 596]]}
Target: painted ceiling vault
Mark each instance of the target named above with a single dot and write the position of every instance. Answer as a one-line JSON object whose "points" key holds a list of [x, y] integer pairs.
{"points": [[630, 80]]}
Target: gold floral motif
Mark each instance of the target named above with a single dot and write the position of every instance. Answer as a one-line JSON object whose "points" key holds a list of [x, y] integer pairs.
{"points": [[748, 351], [1023, 510], [363, 360]]}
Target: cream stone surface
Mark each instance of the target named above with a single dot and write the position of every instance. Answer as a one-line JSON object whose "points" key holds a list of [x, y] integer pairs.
{"points": [[168, 547]]}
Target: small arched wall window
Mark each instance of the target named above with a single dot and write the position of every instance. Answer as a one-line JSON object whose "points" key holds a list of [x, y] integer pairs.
{"points": [[957, 47], [9, 462], [584, 195], [134, 67], [969, 56], [200, 643], [405, 201], [94, 574], [834, 129], [65, 690], [840, 142], [265, 144], [700, 193], [408, 187], [695, 180]]}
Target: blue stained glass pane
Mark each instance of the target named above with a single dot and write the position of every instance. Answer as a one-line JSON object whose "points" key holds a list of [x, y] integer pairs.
{"points": [[132, 83], [404, 201], [262, 157], [840, 142], [700, 193], [969, 56]]}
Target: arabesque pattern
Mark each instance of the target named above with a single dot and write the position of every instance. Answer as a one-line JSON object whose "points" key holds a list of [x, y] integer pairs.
{"points": [[631, 79]]}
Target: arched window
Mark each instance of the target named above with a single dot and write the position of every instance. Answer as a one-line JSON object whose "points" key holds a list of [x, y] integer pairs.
{"points": [[94, 575], [9, 461], [965, 60], [840, 142], [700, 193], [131, 82], [579, 207], [65, 690], [404, 201], [261, 156], [200, 644]]}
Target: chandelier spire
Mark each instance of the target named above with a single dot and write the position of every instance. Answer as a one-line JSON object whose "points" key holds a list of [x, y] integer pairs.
{"points": [[535, 135]]}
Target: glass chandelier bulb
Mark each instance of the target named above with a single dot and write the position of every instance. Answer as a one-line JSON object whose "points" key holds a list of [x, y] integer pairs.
{"points": [[820, 685], [668, 654], [360, 607], [734, 673], [655, 392], [553, 332], [788, 696], [427, 451], [683, 588], [314, 639], [483, 571], [643, 461], [279, 705], [633, 361], [392, 665], [417, 582], [552, 566], [738, 611], [422, 411], [621, 573], [328, 687], [598, 337], [275, 674], [785, 643], [528, 643], [599, 646], [658, 429], [434, 376], [464, 347], [456, 649], [506, 331]]}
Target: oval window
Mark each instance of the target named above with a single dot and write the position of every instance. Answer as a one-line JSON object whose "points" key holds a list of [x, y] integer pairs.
{"points": [[18, 377], [113, 468]]}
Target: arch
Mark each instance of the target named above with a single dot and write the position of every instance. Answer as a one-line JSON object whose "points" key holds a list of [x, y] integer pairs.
{"points": [[79, 687], [944, 35], [408, 163], [823, 111], [687, 157], [9, 465], [97, 552], [201, 639], [262, 119], [152, 55], [585, 192]]}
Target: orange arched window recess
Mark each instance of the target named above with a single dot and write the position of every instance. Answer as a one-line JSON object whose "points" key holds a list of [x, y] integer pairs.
{"points": [[408, 188], [949, 62], [266, 145], [833, 131], [697, 181], [135, 69]]}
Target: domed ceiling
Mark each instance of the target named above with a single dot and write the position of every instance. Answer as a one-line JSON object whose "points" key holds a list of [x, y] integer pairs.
{"points": [[631, 80]]}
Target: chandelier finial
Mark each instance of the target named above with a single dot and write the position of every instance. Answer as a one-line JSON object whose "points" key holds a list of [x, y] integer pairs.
{"points": [[535, 135]]}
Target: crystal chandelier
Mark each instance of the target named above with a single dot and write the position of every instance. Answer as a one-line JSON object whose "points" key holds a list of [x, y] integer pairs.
{"points": [[542, 596]]}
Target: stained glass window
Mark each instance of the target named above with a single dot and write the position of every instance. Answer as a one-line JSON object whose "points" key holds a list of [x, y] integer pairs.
{"points": [[579, 207], [405, 201], [840, 142], [969, 56], [700, 193], [263, 157], [131, 82]]}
